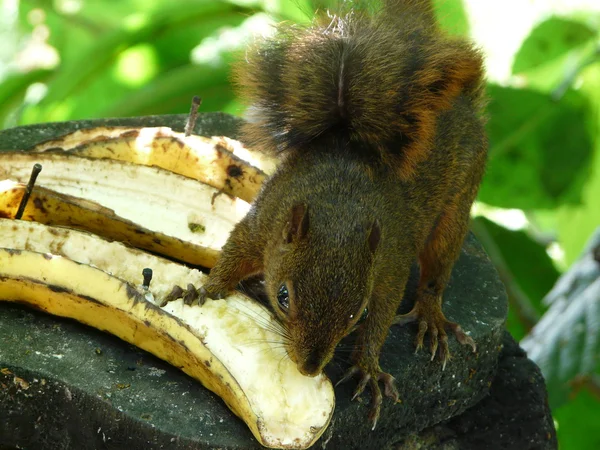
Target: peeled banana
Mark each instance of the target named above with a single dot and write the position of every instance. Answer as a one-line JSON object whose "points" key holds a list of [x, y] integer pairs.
{"points": [[215, 161], [155, 199], [228, 345], [52, 208]]}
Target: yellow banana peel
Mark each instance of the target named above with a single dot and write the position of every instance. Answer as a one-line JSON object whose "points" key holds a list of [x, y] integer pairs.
{"points": [[228, 345]]}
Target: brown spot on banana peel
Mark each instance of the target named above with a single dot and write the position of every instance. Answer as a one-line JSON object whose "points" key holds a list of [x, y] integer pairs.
{"points": [[57, 289], [133, 293], [234, 171], [130, 133]]}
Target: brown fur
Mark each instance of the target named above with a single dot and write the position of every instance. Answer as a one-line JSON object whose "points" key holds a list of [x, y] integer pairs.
{"points": [[333, 76], [378, 120]]}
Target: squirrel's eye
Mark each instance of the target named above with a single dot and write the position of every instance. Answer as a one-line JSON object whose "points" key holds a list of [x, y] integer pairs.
{"points": [[364, 315], [283, 297]]}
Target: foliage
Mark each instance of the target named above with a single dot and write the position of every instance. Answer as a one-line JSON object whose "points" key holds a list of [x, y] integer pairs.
{"points": [[75, 59]]}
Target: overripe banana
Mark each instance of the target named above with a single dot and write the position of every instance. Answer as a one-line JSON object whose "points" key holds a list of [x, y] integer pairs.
{"points": [[228, 345], [49, 207], [153, 198], [218, 161]]}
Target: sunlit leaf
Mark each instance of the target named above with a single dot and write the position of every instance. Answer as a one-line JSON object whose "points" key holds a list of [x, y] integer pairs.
{"points": [[452, 16], [77, 73], [550, 40], [577, 222]]}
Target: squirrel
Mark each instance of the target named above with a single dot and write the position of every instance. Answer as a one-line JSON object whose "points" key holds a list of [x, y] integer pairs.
{"points": [[377, 119]]}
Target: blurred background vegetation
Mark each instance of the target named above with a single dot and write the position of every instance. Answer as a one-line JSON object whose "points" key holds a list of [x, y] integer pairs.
{"points": [[540, 200]]}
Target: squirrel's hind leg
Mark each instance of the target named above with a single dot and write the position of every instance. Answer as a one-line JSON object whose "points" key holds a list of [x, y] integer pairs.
{"points": [[436, 261]]}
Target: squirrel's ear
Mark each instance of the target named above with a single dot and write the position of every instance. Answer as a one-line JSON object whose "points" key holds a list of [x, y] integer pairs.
{"points": [[374, 236], [297, 225]]}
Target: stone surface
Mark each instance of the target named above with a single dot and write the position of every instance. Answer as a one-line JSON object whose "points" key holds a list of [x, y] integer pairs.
{"points": [[515, 414], [100, 392], [208, 124]]}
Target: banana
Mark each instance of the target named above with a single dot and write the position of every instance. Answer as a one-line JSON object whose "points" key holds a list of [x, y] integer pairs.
{"points": [[155, 199], [218, 161], [49, 207], [228, 345]]}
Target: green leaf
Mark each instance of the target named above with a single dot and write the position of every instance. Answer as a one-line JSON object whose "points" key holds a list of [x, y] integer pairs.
{"points": [[577, 222], [524, 267], [539, 149], [452, 16], [565, 343], [77, 73], [551, 39], [172, 92], [577, 423], [13, 89]]}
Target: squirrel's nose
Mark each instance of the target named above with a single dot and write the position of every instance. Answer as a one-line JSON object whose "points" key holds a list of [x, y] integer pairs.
{"points": [[312, 365]]}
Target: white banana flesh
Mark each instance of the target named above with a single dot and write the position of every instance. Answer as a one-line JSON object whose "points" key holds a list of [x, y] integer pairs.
{"points": [[229, 345], [156, 199]]}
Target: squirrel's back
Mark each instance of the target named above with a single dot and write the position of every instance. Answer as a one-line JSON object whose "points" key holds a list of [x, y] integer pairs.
{"points": [[378, 80]]}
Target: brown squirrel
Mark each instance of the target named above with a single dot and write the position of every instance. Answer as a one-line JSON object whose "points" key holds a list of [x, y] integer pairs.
{"points": [[377, 118]]}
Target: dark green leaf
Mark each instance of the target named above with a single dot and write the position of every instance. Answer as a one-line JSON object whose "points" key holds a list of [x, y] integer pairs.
{"points": [[172, 92], [525, 260], [539, 149], [549, 40], [525, 269]]}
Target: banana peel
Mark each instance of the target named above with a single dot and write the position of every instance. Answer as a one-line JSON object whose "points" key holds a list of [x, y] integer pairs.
{"points": [[228, 345], [218, 161], [155, 199], [53, 208]]}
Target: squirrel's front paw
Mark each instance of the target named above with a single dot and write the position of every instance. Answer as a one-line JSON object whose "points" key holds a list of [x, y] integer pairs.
{"points": [[190, 295], [431, 320], [372, 378]]}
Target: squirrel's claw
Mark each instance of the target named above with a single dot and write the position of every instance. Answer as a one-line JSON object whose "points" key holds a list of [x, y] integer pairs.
{"points": [[175, 293], [432, 321], [390, 390], [203, 293], [190, 295]]}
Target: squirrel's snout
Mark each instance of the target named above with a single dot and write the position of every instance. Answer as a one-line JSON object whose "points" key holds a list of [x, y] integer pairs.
{"points": [[312, 365]]}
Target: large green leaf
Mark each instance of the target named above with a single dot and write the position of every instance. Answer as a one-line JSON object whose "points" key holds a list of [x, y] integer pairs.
{"points": [[576, 222], [551, 39], [525, 268], [566, 341], [539, 149]]}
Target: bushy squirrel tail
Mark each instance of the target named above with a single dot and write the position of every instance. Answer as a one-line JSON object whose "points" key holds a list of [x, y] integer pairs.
{"points": [[379, 79]]}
